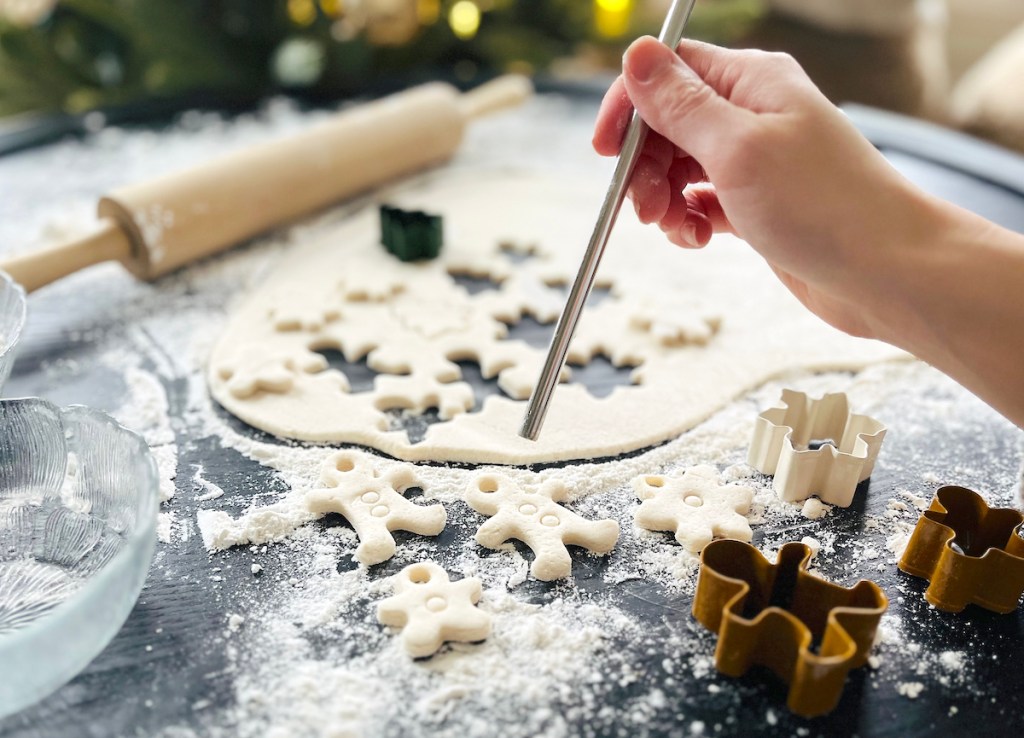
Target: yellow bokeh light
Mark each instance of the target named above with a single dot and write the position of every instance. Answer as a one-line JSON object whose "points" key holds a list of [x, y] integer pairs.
{"points": [[302, 12], [614, 6], [428, 11], [464, 18], [611, 17], [331, 8]]}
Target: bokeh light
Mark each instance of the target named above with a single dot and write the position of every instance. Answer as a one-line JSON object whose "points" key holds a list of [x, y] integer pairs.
{"points": [[464, 18]]}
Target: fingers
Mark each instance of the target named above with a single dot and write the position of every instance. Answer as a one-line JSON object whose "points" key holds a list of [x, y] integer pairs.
{"points": [[649, 187], [694, 216], [612, 119], [685, 171], [674, 100]]}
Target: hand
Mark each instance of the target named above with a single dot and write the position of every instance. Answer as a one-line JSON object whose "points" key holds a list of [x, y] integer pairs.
{"points": [[743, 142]]}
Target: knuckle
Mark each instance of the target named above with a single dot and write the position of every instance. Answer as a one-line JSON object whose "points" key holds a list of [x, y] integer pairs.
{"points": [[787, 64], [685, 100]]}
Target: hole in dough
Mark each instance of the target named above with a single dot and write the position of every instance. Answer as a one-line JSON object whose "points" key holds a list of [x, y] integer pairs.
{"points": [[359, 374], [419, 575], [531, 331], [600, 376], [474, 285]]}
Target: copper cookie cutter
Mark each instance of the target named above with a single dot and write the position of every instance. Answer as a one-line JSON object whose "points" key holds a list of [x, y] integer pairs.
{"points": [[782, 445], [809, 631], [970, 552]]}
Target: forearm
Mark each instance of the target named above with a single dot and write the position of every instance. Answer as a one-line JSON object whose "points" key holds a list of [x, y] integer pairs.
{"points": [[956, 300]]}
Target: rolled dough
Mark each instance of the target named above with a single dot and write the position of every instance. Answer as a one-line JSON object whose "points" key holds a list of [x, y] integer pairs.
{"points": [[702, 327]]}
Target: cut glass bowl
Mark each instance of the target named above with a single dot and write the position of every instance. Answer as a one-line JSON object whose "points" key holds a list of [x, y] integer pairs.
{"points": [[78, 507], [12, 318]]}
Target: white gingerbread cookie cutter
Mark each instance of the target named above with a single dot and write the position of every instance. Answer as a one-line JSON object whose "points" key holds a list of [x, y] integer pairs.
{"points": [[784, 443]]}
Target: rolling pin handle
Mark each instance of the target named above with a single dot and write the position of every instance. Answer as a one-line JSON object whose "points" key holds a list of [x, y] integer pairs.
{"points": [[107, 242], [507, 91]]}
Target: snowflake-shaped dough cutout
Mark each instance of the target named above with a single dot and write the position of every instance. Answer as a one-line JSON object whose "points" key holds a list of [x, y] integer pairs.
{"points": [[366, 281], [522, 294], [684, 325], [373, 504], [697, 507], [303, 311], [253, 370], [531, 514], [436, 319], [431, 609], [627, 330]]}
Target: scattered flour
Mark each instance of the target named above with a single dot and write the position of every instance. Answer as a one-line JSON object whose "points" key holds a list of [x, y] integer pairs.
{"points": [[910, 690], [146, 412], [198, 482], [814, 509], [812, 543], [952, 660], [164, 522]]}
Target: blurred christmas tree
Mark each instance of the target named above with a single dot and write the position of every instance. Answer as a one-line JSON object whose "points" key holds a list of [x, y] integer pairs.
{"points": [[76, 55]]}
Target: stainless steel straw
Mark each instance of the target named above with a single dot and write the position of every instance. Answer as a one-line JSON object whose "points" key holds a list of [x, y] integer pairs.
{"points": [[632, 144]]}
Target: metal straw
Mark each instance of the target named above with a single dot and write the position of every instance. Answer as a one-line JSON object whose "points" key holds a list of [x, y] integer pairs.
{"points": [[632, 144]]}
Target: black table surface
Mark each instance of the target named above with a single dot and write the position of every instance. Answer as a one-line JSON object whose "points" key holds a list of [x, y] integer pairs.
{"points": [[170, 654]]}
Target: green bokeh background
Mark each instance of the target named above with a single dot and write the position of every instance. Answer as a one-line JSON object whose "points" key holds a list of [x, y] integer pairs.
{"points": [[88, 54]]}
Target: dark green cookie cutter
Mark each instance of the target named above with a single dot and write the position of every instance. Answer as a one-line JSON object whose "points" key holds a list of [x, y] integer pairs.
{"points": [[411, 235]]}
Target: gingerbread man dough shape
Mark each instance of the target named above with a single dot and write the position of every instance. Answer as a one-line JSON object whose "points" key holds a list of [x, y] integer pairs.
{"points": [[532, 515], [373, 504], [697, 507], [430, 609]]}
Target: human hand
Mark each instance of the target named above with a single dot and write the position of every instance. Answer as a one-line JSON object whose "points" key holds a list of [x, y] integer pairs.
{"points": [[743, 142]]}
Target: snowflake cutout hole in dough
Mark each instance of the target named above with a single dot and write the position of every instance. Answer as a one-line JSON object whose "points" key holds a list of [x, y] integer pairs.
{"points": [[373, 504], [697, 507], [531, 514], [430, 609]]}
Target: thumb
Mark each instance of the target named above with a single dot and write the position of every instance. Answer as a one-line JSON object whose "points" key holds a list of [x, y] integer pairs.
{"points": [[674, 101]]}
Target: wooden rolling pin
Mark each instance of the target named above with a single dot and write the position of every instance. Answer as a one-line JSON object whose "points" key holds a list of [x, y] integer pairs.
{"points": [[155, 227]]}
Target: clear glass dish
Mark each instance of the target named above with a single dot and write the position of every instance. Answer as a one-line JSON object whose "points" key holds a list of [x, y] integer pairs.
{"points": [[12, 318], [78, 508]]}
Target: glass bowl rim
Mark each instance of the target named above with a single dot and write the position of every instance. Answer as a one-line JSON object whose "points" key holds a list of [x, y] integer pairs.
{"points": [[135, 537], [12, 340]]}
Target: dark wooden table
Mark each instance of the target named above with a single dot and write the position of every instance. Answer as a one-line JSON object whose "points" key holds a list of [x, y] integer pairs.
{"points": [[168, 665]]}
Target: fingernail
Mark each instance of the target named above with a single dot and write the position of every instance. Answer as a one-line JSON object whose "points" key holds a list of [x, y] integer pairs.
{"points": [[689, 233], [647, 61]]}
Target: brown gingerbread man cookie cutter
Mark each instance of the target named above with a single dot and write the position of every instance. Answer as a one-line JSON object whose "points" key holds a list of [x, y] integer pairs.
{"points": [[969, 552], [809, 631]]}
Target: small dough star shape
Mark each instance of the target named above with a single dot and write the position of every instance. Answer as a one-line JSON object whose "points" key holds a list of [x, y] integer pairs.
{"points": [[697, 507], [532, 515], [373, 504], [431, 609]]}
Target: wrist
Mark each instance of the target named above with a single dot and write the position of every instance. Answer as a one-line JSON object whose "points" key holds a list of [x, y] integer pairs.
{"points": [[909, 269], [953, 298]]}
